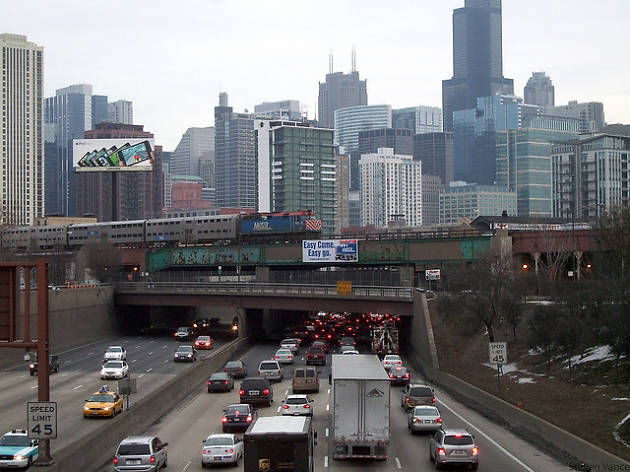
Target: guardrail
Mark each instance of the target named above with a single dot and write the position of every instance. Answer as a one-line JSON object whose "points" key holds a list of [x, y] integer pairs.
{"points": [[258, 289]]}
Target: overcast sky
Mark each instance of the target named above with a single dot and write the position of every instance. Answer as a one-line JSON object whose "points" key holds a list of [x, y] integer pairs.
{"points": [[171, 58]]}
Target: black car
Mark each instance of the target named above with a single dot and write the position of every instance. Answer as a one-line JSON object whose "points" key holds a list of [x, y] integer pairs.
{"points": [[53, 365], [237, 369], [399, 376], [220, 382], [256, 391], [185, 333], [185, 354], [238, 417]]}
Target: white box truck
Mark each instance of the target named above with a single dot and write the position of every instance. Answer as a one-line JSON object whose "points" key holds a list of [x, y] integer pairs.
{"points": [[360, 407]]}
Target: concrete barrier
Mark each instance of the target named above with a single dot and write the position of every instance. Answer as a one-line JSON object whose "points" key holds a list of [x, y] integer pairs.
{"points": [[96, 448], [565, 446]]}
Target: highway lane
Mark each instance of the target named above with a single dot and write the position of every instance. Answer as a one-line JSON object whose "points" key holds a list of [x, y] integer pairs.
{"points": [[189, 424], [150, 362]]}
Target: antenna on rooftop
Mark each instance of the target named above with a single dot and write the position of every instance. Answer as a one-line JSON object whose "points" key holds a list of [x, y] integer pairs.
{"points": [[354, 59], [330, 62]]}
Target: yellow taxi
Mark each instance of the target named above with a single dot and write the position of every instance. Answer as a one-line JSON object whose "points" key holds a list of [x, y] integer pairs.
{"points": [[103, 403]]}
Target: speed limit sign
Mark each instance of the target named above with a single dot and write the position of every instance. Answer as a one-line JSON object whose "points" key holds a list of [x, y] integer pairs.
{"points": [[498, 353], [41, 419]]}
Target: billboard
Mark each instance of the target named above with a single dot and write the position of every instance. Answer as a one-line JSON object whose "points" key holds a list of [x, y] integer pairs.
{"points": [[330, 250], [123, 154]]}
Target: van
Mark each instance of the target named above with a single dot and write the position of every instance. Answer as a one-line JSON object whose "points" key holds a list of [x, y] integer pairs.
{"points": [[270, 370], [256, 390], [305, 380]]}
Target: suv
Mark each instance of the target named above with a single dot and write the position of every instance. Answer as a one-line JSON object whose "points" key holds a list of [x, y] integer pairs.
{"points": [[256, 390], [305, 380], [453, 446], [53, 365], [270, 370], [185, 333], [416, 395], [140, 453], [315, 355]]}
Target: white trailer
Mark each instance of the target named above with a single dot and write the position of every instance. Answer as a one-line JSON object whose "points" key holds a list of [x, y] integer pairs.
{"points": [[360, 407]]}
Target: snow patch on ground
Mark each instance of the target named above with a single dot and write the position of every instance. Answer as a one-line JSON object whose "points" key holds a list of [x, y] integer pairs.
{"points": [[536, 352], [526, 380], [616, 431], [540, 302], [624, 399], [595, 353]]}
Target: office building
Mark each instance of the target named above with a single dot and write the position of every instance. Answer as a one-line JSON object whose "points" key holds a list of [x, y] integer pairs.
{"points": [[22, 131], [342, 189], [590, 114], [400, 140], [436, 151], [186, 193], [420, 119], [235, 157], [354, 204], [432, 187], [340, 91], [540, 91], [391, 189], [194, 155], [121, 111], [477, 58], [282, 110], [590, 175], [51, 161], [524, 161], [100, 110], [462, 200]]}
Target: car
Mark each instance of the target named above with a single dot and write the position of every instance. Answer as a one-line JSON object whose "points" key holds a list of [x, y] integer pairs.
{"points": [[105, 402], [424, 418], [115, 370], [297, 405], [453, 446], [271, 370], [238, 417], [53, 364], [315, 355], [346, 348], [283, 356], [185, 333], [237, 369], [221, 449], [347, 341], [391, 360], [140, 453], [220, 382], [399, 375], [17, 450], [185, 354], [256, 391], [290, 343], [115, 353], [305, 380], [415, 395], [350, 352], [321, 343], [204, 342]]}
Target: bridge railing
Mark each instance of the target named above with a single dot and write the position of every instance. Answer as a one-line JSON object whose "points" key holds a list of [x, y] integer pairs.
{"points": [[255, 289]]}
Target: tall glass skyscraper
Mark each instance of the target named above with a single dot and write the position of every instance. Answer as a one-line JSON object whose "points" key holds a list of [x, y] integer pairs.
{"points": [[339, 91], [477, 58]]}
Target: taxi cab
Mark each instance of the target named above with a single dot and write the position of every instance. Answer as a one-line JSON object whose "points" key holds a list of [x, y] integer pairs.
{"points": [[105, 402]]}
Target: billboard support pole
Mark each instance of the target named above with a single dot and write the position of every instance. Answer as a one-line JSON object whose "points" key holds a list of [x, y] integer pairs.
{"points": [[115, 212]]}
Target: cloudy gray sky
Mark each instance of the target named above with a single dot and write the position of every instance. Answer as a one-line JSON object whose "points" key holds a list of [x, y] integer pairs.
{"points": [[171, 58]]}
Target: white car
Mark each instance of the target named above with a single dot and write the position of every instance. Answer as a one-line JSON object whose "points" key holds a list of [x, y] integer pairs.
{"points": [[291, 344], [221, 449], [17, 450], [270, 370], [392, 360], [297, 405], [115, 370], [350, 352], [283, 356], [115, 353]]}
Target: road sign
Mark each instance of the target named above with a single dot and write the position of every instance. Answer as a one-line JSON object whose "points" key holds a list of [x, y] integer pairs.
{"points": [[344, 287], [432, 274], [127, 386], [41, 419], [498, 353]]}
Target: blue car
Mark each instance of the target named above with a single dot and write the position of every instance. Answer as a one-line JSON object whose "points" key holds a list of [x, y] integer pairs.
{"points": [[17, 450]]}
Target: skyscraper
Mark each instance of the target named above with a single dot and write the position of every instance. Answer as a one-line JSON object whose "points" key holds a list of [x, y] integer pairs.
{"points": [[477, 58], [121, 111], [540, 91], [100, 112], [22, 130], [283, 110], [590, 114], [194, 149], [420, 119], [436, 151], [399, 139]]}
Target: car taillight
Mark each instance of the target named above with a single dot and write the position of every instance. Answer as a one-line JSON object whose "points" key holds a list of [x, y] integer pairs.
{"points": [[406, 376], [227, 382], [224, 419], [210, 382], [152, 459], [391, 376], [266, 391], [433, 400], [307, 406], [276, 357], [441, 451], [290, 357], [203, 451], [279, 372], [249, 418], [224, 370], [241, 392], [115, 461], [309, 356], [439, 420], [407, 399], [286, 407], [475, 451], [230, 451], [258, 373]]}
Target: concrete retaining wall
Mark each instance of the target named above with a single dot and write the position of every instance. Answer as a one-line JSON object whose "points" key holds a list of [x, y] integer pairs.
{"points": [[96, 448], [558, 442]]}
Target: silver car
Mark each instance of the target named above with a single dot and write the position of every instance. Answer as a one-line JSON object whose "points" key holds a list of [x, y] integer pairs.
{"points": [[290, 343], [283, 356], [221, 449], [140, 453], [424, 418], [270, 370], [453, 446]]}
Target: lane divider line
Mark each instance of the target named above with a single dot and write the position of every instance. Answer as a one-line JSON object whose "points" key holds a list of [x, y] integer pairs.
{"points": [[149, 369], [151, 353], [164, 347], [286, 392], [77, 387], [139, 376], [328, 391], [135, 360], [279, 409], [34, 386], [327, 432], [187, 466], [138, 346], [327, 406], [398, 463], [165, 361], [325, 461]]}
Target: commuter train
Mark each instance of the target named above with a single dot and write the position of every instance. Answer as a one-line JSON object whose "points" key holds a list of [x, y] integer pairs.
{"points": [[217, 229]]}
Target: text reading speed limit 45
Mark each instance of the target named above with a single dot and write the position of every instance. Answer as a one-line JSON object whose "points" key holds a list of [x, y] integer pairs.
{"points": [[41, 418]]}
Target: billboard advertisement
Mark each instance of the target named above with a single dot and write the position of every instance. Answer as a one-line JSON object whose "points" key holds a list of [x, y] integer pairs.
{"points": [[330, 250], [123, 154]]}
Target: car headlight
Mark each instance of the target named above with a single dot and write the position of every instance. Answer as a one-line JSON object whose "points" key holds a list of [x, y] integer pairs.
{"points": [[86, 408], [32, 366], [107, 408], [189, 355], [20, 457]]}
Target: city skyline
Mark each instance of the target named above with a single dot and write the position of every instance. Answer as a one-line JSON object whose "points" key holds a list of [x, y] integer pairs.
{"points": [[201, 50]]}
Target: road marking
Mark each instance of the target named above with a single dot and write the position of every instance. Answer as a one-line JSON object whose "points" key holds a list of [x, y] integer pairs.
{"points": [[286, 392], [77, 387], [151, 341], [22, 375], [140, 375], [65, 375], [327, 432], [186, 466], [138, 346], [325, 461], [135, 360], [165, 361], [279, 409], [150, 353], [398, 463], [90, 353], [164, 347], [496, 444], [328, 391], [327, 407], [34, 386], [149, 369]]}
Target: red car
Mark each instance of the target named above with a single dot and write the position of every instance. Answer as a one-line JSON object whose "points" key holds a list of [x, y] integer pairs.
{"points": [[315, 355], [204, 342]]}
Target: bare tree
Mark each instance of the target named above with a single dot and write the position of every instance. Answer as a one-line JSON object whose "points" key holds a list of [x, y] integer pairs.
{"points": [[102, 259], [543, 329], [556, 251]]}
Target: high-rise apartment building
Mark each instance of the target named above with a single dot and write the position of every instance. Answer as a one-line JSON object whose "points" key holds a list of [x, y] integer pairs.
{"points": [[235, 157], [420, 119], [477, 58], [340, 91], [590, 114], [391, 188], [432, 186], [462, 200], [282, 110], [22, 131], [436, 151], [194, 155], [540, 91], [121, 111]]}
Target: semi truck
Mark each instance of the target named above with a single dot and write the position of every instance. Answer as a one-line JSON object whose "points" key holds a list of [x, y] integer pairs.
{"points": [[360, 407], [384, 339], [279, 444]]}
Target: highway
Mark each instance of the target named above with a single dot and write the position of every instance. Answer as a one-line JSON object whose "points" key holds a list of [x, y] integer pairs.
{"points": [[500, 451], [150, 362]]}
